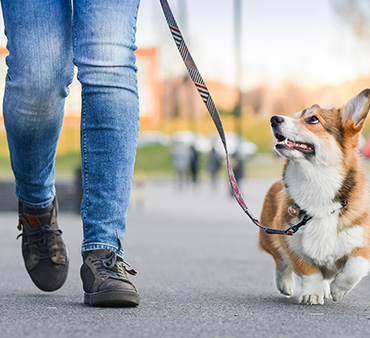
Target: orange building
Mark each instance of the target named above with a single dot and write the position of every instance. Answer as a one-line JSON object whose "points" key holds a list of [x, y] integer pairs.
{"points": [[150, 88]]}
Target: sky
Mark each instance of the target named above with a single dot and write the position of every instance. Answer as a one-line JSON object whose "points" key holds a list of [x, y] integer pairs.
{"points": [[282, 41]]}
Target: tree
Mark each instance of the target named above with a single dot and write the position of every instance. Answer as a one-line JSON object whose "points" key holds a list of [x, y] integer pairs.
{"points": [[356, 14]]}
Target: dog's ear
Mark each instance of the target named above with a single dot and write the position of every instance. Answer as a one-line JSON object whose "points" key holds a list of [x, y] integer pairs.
{"points": [[355, 112]]}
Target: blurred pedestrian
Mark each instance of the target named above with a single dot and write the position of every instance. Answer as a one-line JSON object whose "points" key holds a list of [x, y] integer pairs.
{"points": [[46, 39], [194, 164], [239, 168], [239, 172], [214, 166], [181, 162]]}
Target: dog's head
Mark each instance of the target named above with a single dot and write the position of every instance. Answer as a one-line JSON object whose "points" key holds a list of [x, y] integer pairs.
{"points": [[318, 135]]}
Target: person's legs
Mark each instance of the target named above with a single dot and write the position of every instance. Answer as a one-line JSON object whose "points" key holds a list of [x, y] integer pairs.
{"points": [[40, 69], [104, 45]]}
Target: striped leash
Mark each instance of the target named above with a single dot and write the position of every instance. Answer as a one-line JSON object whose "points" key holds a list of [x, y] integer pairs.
{"points": [[212, 109]]}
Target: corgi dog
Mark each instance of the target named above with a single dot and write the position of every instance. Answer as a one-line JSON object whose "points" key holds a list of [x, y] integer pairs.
{"points": [[324, 190]]}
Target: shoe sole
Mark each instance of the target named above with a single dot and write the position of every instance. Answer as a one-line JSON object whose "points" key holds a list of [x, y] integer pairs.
{"points": [[56, 286], [112, 298]]}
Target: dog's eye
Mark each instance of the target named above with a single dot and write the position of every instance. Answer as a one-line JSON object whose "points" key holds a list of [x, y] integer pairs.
{"points": [[312, 120]]}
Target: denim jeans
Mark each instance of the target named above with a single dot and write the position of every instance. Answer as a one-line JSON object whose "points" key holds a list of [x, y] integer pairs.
{"points": [[46, 38]]}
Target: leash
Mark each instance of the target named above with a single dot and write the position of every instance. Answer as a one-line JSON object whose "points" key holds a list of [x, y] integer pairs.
{"points": [[212, 109]]}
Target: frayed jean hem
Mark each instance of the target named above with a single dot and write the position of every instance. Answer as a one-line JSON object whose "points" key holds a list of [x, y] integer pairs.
{"points": [[96, 246]]}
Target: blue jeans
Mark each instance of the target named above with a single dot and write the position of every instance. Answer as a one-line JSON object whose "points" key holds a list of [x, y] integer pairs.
{"points": [[46, 38]]}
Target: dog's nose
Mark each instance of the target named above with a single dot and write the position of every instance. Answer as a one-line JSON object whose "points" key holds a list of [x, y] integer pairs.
{"points": [[275, 120]]}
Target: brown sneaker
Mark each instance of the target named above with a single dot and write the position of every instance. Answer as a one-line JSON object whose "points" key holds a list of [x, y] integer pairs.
{"points": [[105, 282], [44, 252]]}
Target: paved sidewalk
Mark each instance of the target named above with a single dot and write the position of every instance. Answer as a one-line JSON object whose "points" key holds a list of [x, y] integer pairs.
{"points": [[200, 275]]}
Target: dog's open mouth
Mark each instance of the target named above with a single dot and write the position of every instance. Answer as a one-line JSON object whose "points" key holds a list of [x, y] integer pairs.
{"points": [[283, 142]]}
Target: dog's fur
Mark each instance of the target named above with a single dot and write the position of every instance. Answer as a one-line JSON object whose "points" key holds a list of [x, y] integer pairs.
{"points": [[323, 170]]}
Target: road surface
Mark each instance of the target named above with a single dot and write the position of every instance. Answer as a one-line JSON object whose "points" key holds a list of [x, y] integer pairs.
{"points": [[200, 274]]}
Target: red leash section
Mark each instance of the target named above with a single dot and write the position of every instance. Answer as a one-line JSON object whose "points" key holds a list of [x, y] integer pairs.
{"points": [[211, 107]]}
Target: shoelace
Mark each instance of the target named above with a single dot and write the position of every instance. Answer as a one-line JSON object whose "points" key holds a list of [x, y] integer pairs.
{"points": [[111, 266], [40, 237]]}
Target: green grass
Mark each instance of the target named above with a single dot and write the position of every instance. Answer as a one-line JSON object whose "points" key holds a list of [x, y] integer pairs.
{"points": [[65, 166], [5, 169], [264, 166], [155, 161]]}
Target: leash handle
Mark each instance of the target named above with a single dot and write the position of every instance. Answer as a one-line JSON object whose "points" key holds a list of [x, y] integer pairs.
{"points": [[212, 109]]}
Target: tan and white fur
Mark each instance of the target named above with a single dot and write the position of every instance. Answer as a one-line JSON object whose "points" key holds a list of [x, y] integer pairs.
{"points": [[323, 169]]}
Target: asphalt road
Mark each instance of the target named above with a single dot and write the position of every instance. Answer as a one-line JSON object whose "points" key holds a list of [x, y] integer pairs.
{"points": [[200, 275]]}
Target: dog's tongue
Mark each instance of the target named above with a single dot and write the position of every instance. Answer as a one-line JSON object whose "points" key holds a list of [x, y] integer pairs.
{"points": [[290, 144], [294, 145]]}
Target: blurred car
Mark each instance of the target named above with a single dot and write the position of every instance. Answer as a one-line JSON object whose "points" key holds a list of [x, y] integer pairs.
{"points": [[200, 142], [237, 146]]}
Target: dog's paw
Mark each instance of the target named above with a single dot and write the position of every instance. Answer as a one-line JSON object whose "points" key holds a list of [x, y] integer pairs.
{"points": [[337, 293], [354, 270], [314, 289], [327, 292], [311, 299], [285, 282]]}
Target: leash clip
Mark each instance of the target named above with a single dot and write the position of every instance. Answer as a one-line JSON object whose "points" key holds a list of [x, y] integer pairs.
{"points": [[294, 228], [343, 204]]}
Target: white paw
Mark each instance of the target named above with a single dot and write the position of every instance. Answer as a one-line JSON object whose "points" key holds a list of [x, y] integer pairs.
{"points": [[338, 295], [285, 283], [327, 292], [311, 299], [353, 271], [337, 292], [314, 289]]}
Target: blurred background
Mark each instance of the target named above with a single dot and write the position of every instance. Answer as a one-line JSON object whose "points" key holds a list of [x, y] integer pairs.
{"points": [[258, 58]]}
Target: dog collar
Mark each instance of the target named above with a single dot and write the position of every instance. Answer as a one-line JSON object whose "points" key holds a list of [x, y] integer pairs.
{"points": [[295, 211]]}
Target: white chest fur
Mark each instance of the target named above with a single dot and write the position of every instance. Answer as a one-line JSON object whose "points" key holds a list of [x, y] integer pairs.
{"points": [[320, 242], [314, 190]]}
